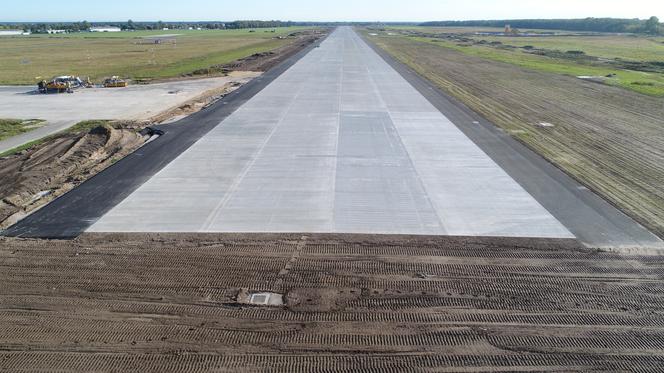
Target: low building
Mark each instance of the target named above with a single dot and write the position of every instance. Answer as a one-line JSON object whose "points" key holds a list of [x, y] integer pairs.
{"points": [[12, 32], [105, 29], [56, 31]]}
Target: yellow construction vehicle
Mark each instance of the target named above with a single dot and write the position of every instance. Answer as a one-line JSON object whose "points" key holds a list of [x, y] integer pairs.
{"points": [[114, 82], [60, 84]]}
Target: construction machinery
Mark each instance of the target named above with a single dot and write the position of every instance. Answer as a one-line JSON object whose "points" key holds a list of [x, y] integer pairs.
{"points": [[114, 82], [60, 84]]}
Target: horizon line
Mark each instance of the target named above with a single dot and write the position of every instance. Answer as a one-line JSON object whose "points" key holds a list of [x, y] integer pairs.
{"points": [[310, 21]]}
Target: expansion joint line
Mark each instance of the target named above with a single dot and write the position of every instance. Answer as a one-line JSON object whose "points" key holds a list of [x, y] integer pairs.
{"points": [[296, 254], [214, 215]]}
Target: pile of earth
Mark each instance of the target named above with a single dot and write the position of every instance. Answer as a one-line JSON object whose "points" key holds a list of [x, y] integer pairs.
{"points": [[42, 172]]}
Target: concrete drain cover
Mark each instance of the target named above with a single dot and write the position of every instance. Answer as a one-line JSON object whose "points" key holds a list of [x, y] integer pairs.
{"points": [[260, 299]]}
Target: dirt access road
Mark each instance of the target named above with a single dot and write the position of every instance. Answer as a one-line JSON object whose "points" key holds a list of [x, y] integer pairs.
{"points": [[156, 303], [136, 102]]}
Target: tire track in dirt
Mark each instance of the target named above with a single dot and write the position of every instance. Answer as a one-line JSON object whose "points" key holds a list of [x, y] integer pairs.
{"points": [[154, 303]]}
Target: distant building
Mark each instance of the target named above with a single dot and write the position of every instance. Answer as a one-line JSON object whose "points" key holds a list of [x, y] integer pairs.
{"points": [[508, 29], [56, 31], [13, 32], [105, 29]]}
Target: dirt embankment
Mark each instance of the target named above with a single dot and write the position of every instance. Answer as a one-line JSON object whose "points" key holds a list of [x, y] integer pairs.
{"points": [[266, 60], [177, 302], [203, 100], [35, 176]]}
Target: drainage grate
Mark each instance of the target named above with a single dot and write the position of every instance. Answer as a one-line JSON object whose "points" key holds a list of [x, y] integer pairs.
{"points": [[261, 299]]}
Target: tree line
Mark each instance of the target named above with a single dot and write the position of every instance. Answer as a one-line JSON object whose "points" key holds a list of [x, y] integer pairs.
{"points": [[620, 25], [42, 28]]}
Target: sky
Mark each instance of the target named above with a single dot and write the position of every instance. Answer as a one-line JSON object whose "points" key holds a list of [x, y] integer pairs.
{"points": [[331, 10]]}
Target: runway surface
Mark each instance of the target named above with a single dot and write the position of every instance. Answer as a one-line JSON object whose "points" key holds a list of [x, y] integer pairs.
{"points": [[341, 138], [338, 143]]}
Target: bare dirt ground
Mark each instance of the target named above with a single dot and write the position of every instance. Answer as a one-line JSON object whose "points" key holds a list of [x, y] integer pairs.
{"points": [[266, 60], [36, 176], [608, 138], [156, 303]]}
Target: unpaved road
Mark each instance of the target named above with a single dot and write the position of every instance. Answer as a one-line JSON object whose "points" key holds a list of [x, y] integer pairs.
{"points": [[156, 303], [136, 102]]}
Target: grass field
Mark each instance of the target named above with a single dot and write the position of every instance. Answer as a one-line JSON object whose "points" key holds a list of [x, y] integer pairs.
{"points": [[608, 138], [13, 127], [23, 60], [606, 57], [635, 48]]}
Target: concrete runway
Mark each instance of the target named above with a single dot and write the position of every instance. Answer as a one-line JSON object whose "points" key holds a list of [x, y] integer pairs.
{"points": [[338, 143], [341, 138]]}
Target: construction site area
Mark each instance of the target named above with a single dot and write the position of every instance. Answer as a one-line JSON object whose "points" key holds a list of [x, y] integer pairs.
{"points": [[338, 203]]}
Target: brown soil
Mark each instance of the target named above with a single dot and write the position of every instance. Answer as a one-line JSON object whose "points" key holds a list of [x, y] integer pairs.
{"points": [[266, 60], [36, 176], [201, 101], [608, 138], [157, 303]]}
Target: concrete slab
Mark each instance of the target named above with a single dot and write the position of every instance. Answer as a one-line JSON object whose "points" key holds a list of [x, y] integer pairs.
{"points": [[338, 143]]}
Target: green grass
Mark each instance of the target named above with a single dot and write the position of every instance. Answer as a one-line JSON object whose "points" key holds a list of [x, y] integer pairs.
{"points": [[78, 128], [609, 139], [471, 30], [23, 147], [86, 125], [13, 127], [25, 60], [642, 82], [633, 48]]}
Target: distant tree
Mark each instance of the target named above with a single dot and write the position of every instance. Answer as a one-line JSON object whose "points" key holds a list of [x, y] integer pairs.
{"points": [[131, 25], [160, 25], [652, 25], [585, 24]]}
